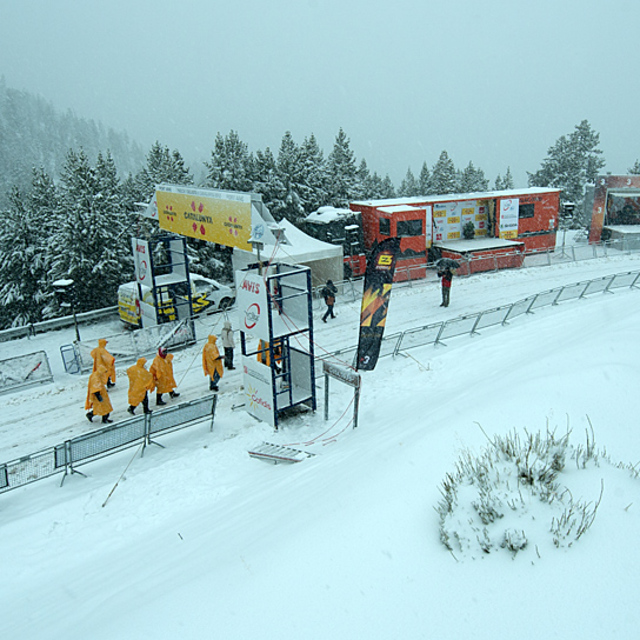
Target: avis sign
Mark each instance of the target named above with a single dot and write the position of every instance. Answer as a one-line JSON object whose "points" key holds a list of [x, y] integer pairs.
{"points": [[142, 261], [251, 301]]}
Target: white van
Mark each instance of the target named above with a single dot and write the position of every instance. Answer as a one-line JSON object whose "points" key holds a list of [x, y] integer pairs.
{"points": [[207, 295]]}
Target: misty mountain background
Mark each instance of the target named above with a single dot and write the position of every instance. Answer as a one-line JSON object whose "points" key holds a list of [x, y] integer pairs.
{"points": [[34, 134]]}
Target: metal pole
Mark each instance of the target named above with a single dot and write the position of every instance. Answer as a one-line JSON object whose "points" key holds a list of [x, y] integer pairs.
{"points": [[326, 396]]}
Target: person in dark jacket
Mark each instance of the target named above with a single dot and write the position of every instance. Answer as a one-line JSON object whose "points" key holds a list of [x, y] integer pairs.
{"points": [[446, 276], [329, 292]]}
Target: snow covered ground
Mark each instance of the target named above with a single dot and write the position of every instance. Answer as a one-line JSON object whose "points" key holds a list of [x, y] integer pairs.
{"points": [[199, 540]]}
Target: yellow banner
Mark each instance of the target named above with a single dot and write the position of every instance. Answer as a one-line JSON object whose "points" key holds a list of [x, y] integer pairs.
{"points": [[223, 221]]}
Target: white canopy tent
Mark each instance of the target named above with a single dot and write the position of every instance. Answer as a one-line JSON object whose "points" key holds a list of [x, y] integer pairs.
{"points": [[296, 247]]}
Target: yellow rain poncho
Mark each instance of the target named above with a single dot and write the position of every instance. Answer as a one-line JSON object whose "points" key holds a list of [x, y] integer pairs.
{"points": [[140, 381], [162, 371], [98, 385], [211, 362], [100, 355]]}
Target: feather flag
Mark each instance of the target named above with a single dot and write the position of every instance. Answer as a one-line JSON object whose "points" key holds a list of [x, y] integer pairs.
{"points": [[375, 302]]}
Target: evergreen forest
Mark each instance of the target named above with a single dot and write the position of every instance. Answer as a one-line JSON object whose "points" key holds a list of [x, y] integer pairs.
{"points": [[71, 195]]}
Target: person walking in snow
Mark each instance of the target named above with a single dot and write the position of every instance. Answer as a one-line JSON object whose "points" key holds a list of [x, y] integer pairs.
{"points": [[329, 292], [228, 343], [162, 371], [140, 383], [212, 363], [98, 402], [446, 276], [100, 355]]}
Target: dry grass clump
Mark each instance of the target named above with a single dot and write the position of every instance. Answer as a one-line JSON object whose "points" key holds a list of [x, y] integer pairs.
{"points": [[515, 492]]}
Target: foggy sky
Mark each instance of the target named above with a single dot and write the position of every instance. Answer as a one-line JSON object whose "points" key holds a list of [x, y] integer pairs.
{"points": [[495, 82]]}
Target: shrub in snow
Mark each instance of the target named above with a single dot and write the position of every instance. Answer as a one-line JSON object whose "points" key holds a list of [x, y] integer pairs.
{"points": [[514, 494], [468, 231]]}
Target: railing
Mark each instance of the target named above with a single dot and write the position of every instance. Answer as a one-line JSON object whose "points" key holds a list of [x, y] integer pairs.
{"points": [[130, 346], [25, 370], [471, 324], [570, 253], [56, 323], [139, 430]]}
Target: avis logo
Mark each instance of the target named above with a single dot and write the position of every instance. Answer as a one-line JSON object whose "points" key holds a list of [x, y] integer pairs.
{"points": [[251, 287], [251, 316]]}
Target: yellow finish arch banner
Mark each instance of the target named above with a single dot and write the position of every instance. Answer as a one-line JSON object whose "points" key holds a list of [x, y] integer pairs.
{"points": [[220, 217]]}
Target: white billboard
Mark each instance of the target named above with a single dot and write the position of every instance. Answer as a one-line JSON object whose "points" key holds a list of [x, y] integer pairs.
{"points": [[509, 215], [251, 303], [258, 390]]}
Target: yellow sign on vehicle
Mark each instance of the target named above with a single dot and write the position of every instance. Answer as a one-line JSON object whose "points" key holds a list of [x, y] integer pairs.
{"points": [[220, 217]]}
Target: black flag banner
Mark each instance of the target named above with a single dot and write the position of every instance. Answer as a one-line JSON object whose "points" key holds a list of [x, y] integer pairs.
{"points": [[375, 302]]}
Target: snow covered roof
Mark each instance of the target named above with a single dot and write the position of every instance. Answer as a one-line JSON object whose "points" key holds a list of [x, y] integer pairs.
{"points": [[299, 247], [476, 195], [624, 228], [477, 244], [400, 208], [325, 215]]}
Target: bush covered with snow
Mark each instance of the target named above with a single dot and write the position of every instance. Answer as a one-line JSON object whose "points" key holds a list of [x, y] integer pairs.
{"points": [[521, 491]]}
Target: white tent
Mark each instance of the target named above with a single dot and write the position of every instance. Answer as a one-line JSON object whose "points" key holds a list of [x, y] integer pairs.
{"points": [[296, 247]]}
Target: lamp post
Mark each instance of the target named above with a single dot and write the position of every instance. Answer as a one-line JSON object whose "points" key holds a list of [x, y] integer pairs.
{"points": [[66, 297]]}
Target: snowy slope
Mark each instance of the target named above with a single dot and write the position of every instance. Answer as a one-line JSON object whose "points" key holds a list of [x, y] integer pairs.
{"points": [[199, 540]]}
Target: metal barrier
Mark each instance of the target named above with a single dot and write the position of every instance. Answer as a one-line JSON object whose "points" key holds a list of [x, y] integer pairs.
{"points": [[472, 323], [97, 444], [56, 323], [128, 347], [24, 371]]}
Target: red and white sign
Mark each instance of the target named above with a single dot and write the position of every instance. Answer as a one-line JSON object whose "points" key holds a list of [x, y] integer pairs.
{"points": [[509, 216], [142, 261], [251, 302]]}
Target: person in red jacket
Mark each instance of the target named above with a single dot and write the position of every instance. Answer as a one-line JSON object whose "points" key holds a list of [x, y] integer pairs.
{"points": [[446, 277]]}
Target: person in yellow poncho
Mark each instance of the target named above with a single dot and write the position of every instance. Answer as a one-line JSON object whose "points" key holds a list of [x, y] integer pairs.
{"points": [[162, 371], [98, 402], [100, 355], [140, 383], [264, 354], [211, 363]]}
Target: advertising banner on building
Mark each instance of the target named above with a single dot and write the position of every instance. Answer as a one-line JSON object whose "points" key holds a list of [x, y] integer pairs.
{"points": [[378, 280], [468, 213], [251, 303], [454, 211], [481, 218], [439, 222], [220, 217], [428, 227], [509, 210]]}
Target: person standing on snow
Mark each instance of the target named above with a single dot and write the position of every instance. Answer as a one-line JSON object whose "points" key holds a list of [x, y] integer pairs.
{"points": [[447, 276], [228, 343], [140, 383], [329, 292], [98, 402], [162, 371], [211, 363], [100, 355]]}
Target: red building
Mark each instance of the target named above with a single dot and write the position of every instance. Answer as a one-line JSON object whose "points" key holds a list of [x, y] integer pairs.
{"points": [[616, 206], [506, 225]]}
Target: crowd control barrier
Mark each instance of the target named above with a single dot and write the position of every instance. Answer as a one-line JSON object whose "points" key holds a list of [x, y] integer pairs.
{"points": [[24, 371], [140, 430]]}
